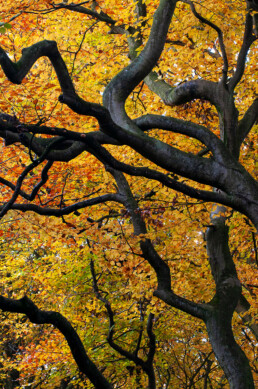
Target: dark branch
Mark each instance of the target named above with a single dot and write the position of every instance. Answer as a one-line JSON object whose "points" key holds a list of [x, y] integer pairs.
{"points": [[200, 311], [213, 143], [86, 11], [146, 366], [246, 123], [152, 339], [249, 38], [123, 84], [184, 93], [31, 197], [150, 254], [20, 180], [219, 197], [220, 36], [65, 210], [38, 316], [15, 72]]}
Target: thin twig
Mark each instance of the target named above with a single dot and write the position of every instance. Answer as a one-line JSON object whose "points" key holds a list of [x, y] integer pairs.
{"points": [[220, 36]]}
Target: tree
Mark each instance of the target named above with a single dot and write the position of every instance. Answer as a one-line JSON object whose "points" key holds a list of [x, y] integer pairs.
{"points": [[164, 145]]}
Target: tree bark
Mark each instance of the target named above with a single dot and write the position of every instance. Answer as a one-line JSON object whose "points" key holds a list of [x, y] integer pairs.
{"points": [[228, 292], [229, 354]]}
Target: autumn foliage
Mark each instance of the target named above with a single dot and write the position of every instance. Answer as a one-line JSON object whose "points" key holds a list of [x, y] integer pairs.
{"points": [[128, 196]]}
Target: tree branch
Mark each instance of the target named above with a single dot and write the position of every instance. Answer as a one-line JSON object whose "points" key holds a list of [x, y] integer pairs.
{"points": [[83, 10], [183, 93], [220, 37], [38, 316], [15, 72], [218, 196], [146, 366], [30, 197], [122, 85], [213, 143], [150, 254], [65, 210], [246, 123], [30, 167], [249, 38]]}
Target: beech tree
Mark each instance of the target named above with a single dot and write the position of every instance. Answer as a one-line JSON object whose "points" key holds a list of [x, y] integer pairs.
{"points": [[139, 107]]}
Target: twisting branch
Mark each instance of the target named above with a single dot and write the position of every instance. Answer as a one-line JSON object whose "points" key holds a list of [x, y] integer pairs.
{"points": [[31, 197], [80, 45], [220, 36], [147, 366], [57, 212], [123, 84], [249, 38], [202, 170], [203, 134], [38, 316], [30, 167], [103, 17], [183, 93], [15, 72], [246, 123], [107, 159], [150, 254]]}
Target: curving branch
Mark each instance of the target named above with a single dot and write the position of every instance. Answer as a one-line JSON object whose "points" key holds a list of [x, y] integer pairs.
{"points": [[38, 316], [101, 16], [202, 170], [248, 39], [247, 122], [201, 133], [123, 84], [21, 178], [30, 197], [65, 210], [160, 267], [147, 366], [15, 72], [220, 37], [183, 93]]}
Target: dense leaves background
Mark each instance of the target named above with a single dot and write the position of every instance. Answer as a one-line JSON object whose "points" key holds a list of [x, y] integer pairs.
{"points": [[87, 263]]}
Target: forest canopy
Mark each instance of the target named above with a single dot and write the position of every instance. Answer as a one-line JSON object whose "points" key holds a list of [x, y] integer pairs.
{"points": [[129, 194]]}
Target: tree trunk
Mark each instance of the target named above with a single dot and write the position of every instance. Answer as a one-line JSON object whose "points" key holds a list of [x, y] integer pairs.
{"points": [[230, 356], [228, 292]]}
